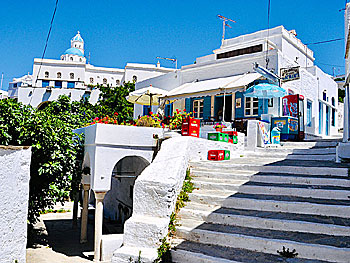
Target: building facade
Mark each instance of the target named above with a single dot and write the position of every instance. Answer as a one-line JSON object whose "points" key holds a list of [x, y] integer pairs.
{"points": [[275, 49], [72, 76]]}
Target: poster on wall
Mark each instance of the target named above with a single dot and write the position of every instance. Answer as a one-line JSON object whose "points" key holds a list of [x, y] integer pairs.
{"points": [[290, 105], [238, 102]]}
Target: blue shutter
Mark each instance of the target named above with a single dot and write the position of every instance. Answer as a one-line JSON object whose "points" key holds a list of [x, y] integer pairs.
{"points": [[146, 110], [188, 105], [207, 108], [239, 112]]}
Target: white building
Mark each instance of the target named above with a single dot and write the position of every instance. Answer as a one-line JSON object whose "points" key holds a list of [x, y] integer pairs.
{"points": [[3, 94], [72, 76], [200, 87], [343, 149]]}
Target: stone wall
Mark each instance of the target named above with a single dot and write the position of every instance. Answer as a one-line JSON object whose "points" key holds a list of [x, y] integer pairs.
{"points": [[14, 194]]}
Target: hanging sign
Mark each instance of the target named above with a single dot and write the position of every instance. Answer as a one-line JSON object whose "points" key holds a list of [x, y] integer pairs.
{"points": [[288, 74]]}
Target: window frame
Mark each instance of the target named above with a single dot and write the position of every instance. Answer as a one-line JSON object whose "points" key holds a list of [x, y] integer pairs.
{"points": [[199, 109], [309, 110], [251, 107]]}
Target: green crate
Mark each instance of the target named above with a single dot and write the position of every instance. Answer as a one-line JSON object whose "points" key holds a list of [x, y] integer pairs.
{"points": [[227, 155], [225, 137], [235, 139], [214, 136]]}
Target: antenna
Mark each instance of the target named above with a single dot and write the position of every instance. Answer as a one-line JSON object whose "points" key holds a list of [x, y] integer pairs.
{"points": [[174, 60], [224, 25], [89, 58]]}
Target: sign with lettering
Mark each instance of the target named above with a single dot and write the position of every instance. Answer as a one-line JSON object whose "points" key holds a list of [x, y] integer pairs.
{"points": [[288, 74]]}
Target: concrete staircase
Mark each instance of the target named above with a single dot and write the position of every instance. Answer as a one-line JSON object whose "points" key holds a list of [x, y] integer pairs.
{"points": [[248, 208]]}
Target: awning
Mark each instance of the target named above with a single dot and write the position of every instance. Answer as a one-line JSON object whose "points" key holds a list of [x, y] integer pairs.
{"points": [[212, 86]]}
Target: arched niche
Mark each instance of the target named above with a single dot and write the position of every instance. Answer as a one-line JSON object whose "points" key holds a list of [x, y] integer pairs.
{"points": [[118, 202]]}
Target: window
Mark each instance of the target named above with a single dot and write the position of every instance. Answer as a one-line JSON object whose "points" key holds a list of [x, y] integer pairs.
{"points": [[45, 83], [47, 74], [70, 84], [59, 75], [71, 58], [80, 60], [104, 81], [239, 52], [198, 109], [91, 80], [134, 78], [325, 95], [333, 112], [251, 106], [309, 113], [71, 75], [58, 84], [117, 82]]}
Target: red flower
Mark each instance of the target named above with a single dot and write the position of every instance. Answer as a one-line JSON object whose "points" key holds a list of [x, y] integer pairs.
{"points": [[116, 113], [184, 110], [115, 121], [106, 122], [150, 112]]}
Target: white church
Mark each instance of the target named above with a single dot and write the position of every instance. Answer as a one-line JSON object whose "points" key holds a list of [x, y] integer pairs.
{"points": [[74, 77]]}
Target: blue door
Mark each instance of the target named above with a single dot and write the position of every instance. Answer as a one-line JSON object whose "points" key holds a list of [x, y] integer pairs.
{"points": [[320, 117], [327, 120]]}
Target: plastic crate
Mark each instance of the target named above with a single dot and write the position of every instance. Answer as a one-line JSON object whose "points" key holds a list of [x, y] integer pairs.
{"points": [[216, 155], [235, 139], [227, 155]]}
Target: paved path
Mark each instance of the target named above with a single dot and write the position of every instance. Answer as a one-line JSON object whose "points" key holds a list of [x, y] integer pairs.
{"points": [[57, 242]]}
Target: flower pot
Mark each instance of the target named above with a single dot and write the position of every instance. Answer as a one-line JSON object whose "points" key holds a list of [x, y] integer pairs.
{"points": [[218, 129]]}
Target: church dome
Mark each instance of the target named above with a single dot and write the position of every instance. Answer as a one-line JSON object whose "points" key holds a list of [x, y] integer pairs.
{"points": [[73, 51]]}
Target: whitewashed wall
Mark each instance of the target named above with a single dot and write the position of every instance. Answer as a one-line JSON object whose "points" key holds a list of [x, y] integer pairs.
{"points": [[14, 194]]}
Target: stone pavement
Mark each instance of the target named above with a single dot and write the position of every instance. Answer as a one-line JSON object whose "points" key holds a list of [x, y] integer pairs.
{"points": [[55, 241]]}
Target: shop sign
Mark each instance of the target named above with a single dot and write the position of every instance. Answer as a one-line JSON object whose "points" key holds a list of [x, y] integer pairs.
{"points": [[288, 74]]}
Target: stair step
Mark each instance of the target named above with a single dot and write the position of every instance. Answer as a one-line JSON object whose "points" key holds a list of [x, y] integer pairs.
{"points": [[257, 220], [246, 187], [194, 252], [329, 150], [286, 166], [273, 205], [238, 238], [228, 173]]}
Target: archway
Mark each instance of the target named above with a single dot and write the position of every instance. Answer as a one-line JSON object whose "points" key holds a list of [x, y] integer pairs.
{"points": [[118, 202], [43, 105]]}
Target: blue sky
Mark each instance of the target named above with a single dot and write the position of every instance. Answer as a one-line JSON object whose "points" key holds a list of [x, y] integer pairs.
{"points": [[117, 32]]}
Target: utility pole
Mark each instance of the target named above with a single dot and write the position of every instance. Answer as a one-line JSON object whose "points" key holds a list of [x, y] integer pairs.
{"points": [[174, 60], [224, 25]]}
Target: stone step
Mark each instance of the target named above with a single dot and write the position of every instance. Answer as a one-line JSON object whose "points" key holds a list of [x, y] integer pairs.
{"points": [[281, 150], [310, 144], [246, 187], [286, 166], [193, 252], [263, 220], [256, 177], [308, 246], [283, 204], [303, 157]]}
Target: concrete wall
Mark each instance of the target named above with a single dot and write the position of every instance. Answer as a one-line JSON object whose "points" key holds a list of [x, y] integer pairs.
{"points": [[14, 194]]}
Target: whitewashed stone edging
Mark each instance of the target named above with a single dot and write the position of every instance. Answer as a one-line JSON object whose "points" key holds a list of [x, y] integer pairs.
{"points": [[14, 194], [156, 191]]}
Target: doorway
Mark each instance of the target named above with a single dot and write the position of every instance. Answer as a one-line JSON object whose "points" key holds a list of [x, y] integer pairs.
{"points": [[219, 107]]}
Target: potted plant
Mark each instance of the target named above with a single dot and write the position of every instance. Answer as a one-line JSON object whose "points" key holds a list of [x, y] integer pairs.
{"points": [[218, 127]]}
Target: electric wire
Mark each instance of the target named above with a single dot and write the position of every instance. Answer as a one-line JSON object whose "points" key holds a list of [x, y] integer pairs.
{"points": [[325, 41], [46, 42]]}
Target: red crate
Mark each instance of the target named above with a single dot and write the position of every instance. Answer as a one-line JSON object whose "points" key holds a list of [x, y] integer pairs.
{"points": [[216, 155], [190, 127], [191, 122], [194, 132], [235, 133], [230, 141]]}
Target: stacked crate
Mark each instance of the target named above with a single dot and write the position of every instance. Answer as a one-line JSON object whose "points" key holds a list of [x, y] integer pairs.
{"points": [[190, 127], [218, 155], [218, 136]]}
